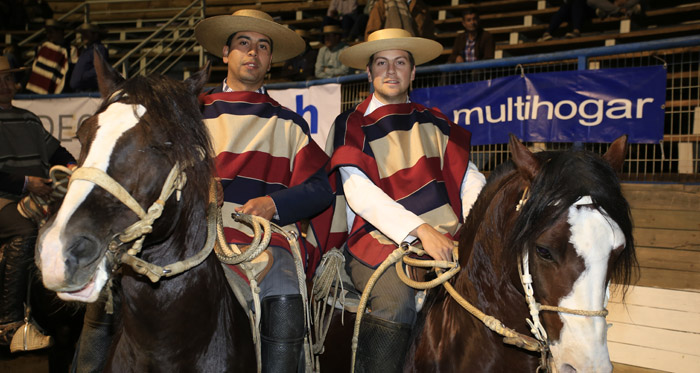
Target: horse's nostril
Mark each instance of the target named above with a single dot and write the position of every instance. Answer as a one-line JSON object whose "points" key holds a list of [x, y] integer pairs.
{"points": [[81, 252], [567, 368]]}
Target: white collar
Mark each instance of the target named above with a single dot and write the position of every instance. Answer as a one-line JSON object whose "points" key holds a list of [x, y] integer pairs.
{"points": [[375, 104]]}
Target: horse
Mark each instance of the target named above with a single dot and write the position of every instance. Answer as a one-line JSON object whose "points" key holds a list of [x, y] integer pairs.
{"points": [[562, 210], [565, 212], [148, 133]]}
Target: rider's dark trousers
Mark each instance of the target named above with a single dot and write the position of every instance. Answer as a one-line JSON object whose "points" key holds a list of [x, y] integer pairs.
{"points": [[390, 299]]}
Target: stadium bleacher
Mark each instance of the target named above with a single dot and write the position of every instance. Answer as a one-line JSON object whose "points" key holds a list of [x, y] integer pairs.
{"points": [[515, 24]]}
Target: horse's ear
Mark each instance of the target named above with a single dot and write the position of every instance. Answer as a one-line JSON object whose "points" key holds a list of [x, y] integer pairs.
{"points": [[107, 77], [525, 162], [617, 153], [196, 82]]}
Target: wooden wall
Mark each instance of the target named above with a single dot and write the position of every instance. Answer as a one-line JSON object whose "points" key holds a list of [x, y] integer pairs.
{"points": [[657, 328]]}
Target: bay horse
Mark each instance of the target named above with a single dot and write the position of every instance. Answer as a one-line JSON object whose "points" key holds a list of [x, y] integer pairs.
{"points": [[146, 129], [565, 212]]}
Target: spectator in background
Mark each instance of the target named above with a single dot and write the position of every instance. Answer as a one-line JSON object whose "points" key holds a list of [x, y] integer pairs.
{"points": [[358, 29], [410, 15], [301, 67], [475, 43], [84, 78], [52, 62], [616, 8], [343, 13], [572, 11], [327, 63]]}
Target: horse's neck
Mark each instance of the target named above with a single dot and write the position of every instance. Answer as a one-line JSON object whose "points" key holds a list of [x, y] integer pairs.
{"points": [[173, 300], [489, 279]]}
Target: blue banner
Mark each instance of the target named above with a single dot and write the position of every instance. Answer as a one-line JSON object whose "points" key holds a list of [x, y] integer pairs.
{"points": [[568, 106]]}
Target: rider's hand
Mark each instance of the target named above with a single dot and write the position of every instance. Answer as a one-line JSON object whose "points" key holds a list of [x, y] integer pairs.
{"points": [[263, 207], [435, 244], [39, 186]]}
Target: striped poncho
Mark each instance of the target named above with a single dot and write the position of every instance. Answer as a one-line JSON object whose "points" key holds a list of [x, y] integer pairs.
{"points": [[416, 155], [50, 68], [261, 149]]}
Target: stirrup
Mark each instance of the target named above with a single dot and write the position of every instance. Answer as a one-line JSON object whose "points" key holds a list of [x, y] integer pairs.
{"points": [[29, 337]]}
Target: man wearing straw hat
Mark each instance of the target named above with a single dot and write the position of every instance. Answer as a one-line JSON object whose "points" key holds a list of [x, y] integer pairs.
{"points": [[27, 151], [269, 166], [327, 63], [84, 77], [406, 176], [53, 62]]}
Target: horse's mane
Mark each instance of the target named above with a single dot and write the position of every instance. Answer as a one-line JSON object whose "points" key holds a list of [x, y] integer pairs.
{"points": [[174, 123], [563, 178]]}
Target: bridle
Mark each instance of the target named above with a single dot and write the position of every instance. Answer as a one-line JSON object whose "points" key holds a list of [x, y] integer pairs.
{"points": [[136, 232]]}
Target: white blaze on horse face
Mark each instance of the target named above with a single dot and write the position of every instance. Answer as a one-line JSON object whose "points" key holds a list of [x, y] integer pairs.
{"points": [[583, 339], [112, 123]]}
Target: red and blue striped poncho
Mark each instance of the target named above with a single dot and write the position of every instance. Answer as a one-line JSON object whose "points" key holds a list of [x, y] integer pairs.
{"points": [[416, 155], [263, 148]]}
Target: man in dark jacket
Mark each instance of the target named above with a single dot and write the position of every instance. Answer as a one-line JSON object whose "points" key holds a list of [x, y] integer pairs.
{"points": [[27, 151], [475, 43]]}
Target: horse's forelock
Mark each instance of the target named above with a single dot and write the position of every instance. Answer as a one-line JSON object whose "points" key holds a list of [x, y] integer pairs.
{"points": [[563, 179]]}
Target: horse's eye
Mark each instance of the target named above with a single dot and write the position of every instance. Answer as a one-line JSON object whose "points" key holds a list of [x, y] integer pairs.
{"points": [[544, 253]]}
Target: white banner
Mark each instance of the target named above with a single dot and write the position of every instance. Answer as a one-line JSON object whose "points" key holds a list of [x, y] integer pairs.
{"points": [[62, 117], [319, 105]]}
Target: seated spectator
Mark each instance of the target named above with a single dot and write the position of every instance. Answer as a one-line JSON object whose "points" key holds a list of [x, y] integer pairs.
{"points": [[327, 63], [572, 11], [52, 62], [410, 15], [301, 67], [475, 43], [616, 8], [84, 78], [343, 13], [358, 29]]}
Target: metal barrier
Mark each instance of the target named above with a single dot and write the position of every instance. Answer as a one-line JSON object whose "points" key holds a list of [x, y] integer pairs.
{"points": [[675, 158]]}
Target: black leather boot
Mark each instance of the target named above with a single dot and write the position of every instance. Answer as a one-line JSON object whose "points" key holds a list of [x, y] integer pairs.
{"points": [[382, 345], [17, 255], [282, 333]]}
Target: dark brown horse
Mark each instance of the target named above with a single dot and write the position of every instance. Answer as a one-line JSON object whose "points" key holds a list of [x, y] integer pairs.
{"points": [[187, 322], [575, 226]]}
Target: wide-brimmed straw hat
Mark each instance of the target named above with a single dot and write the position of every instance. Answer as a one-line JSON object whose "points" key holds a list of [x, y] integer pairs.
{"points": [[213, 32], [332, 29], [6, 68], [53, 24], [423, 50], [89, 26]]}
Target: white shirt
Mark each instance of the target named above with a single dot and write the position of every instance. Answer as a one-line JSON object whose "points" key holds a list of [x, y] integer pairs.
{"points": [[366, 199]]}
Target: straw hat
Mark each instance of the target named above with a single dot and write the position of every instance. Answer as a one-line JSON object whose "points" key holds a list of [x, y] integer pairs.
{"points": [[212, 33], [303, 33], [53, 24], [89, 26], [6, 68], [423, 50], [332, 29]]}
